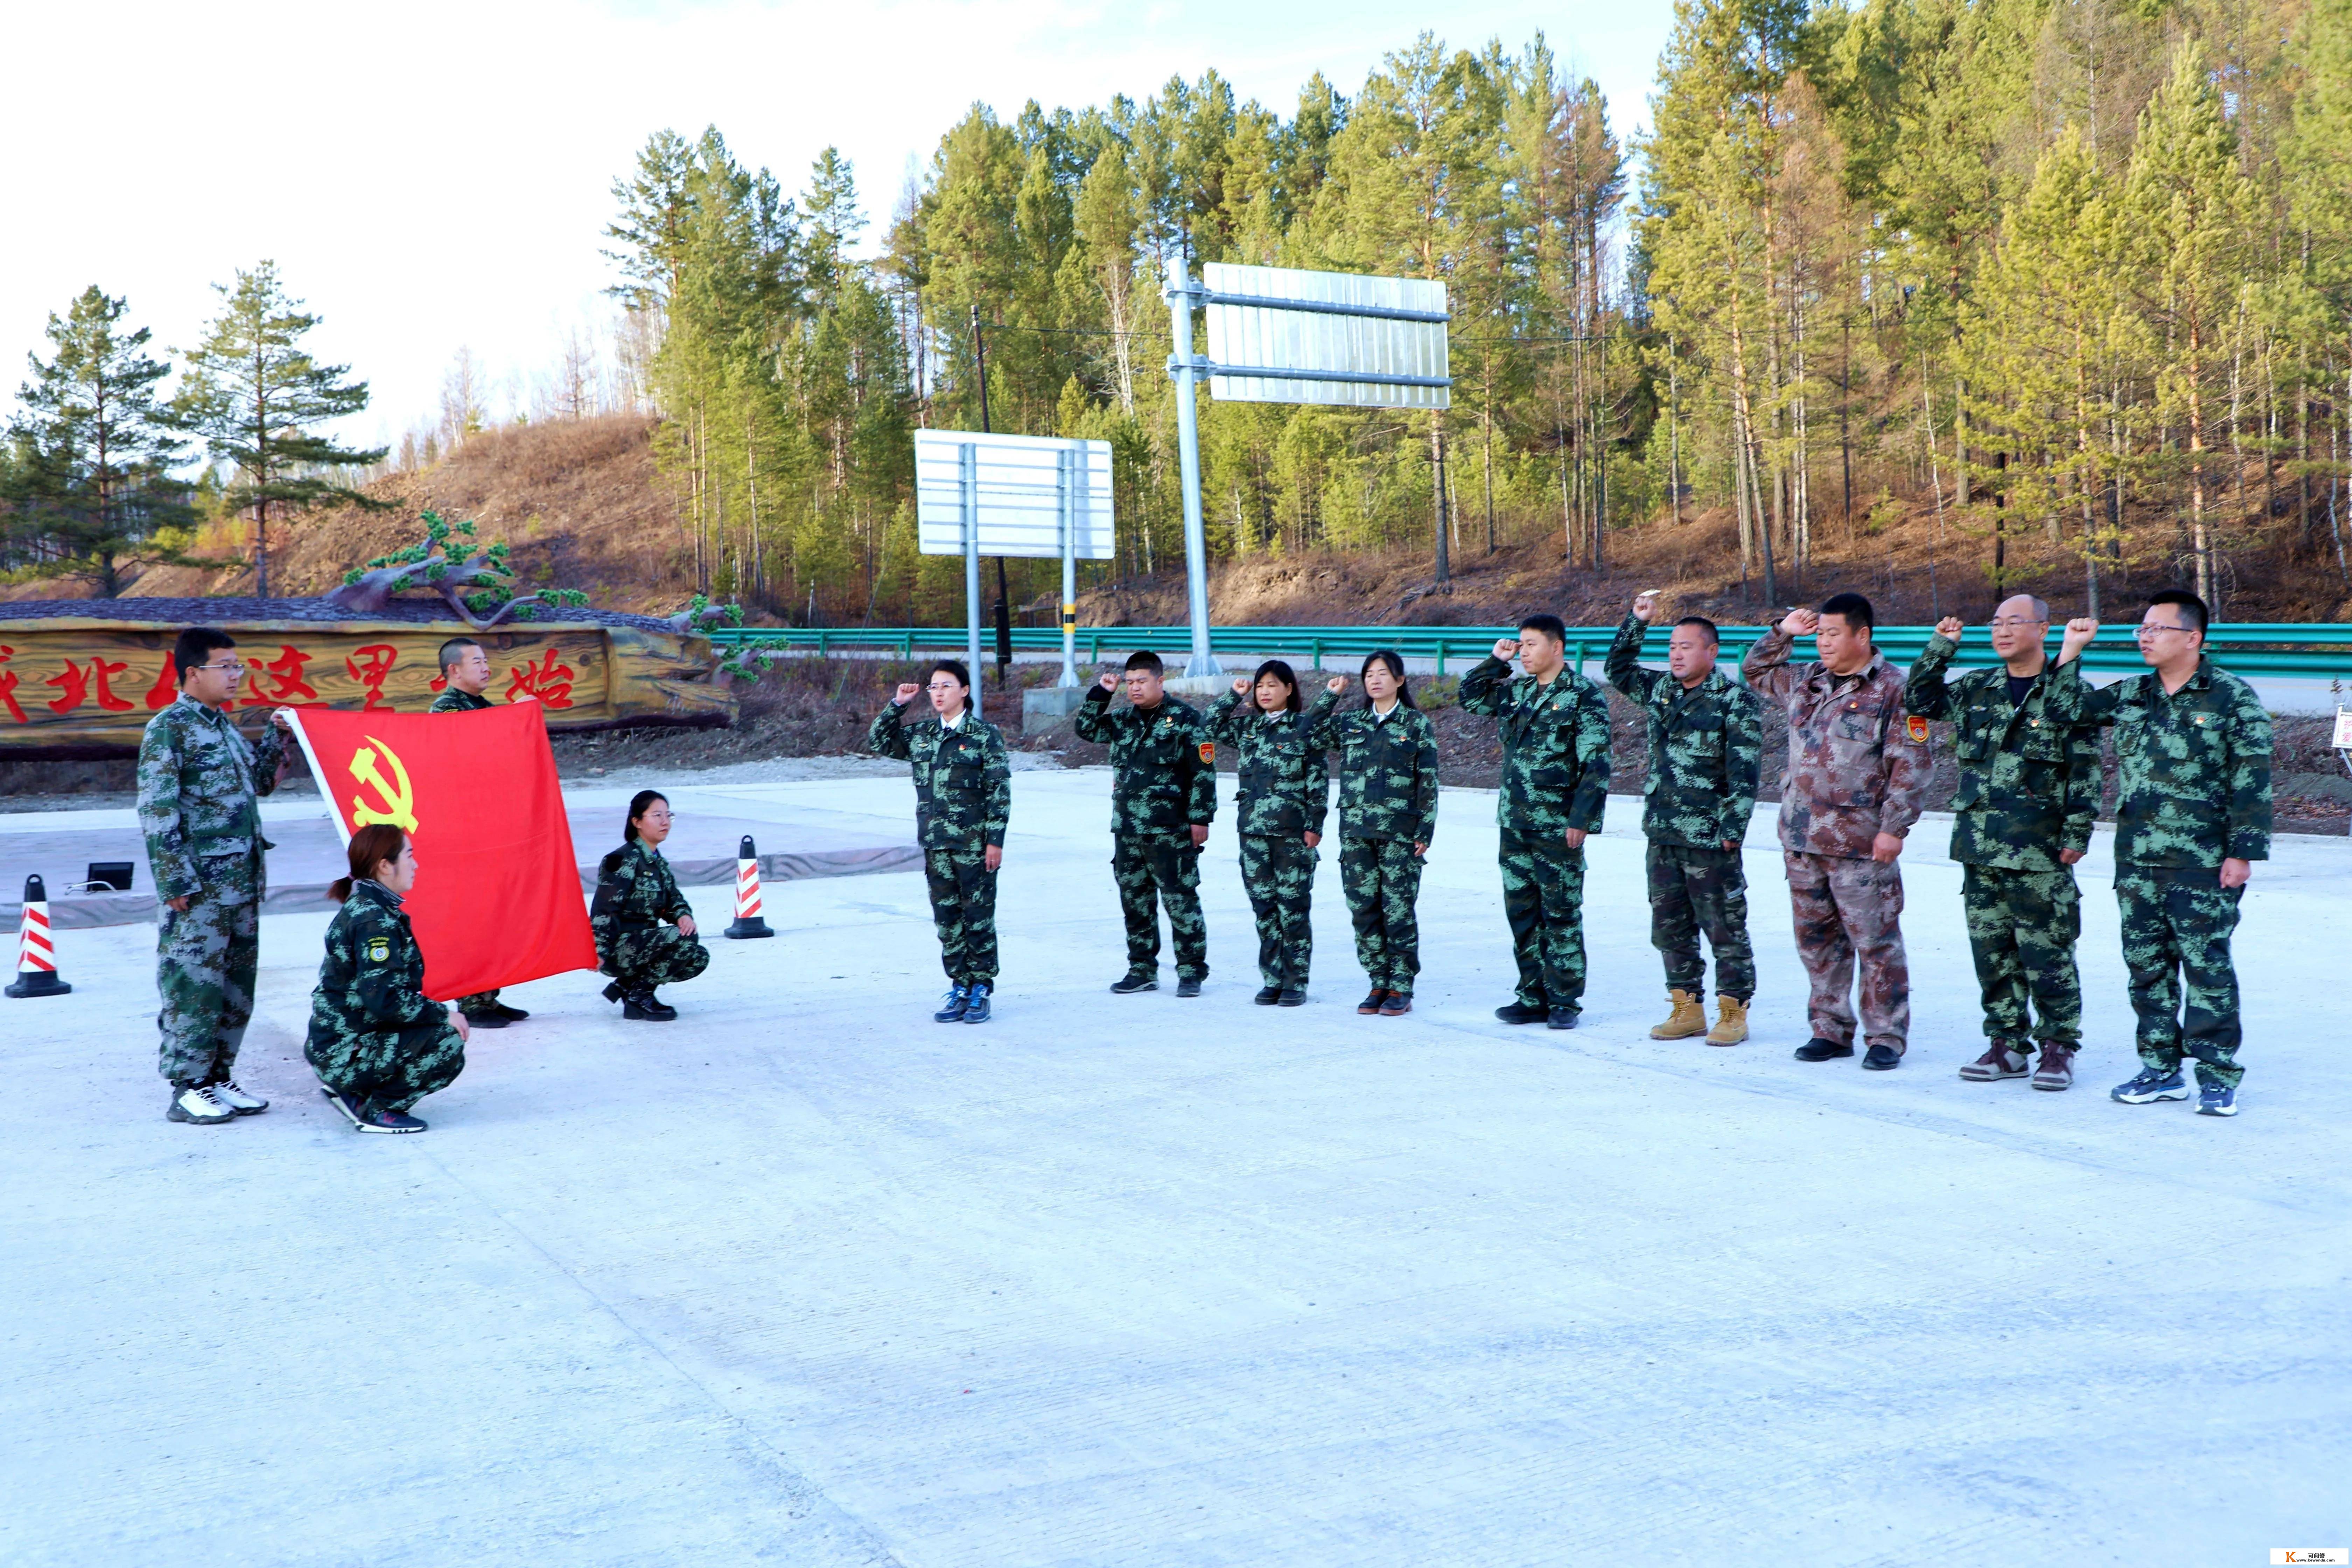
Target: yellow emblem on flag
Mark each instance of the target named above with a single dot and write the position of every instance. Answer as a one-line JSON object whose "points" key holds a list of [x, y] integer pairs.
{"points": [[399, 800]]}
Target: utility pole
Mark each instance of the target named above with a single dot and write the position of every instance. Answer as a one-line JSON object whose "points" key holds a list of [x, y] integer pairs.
{"points": [[1004, 592]]}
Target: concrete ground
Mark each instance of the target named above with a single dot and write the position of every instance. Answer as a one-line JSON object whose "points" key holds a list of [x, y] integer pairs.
{"points": [[804, 1278]]}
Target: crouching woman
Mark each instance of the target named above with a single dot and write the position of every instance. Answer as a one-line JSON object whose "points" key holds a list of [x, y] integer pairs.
{"points": [[377, 1042], [635, 895]]}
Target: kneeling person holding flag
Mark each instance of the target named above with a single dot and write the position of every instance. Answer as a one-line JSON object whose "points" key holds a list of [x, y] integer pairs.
{"points": [[377, 1042]]}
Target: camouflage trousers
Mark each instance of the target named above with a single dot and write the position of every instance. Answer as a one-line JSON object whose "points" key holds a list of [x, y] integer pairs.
{"points": [[2177, 923], [1167, 864], [205, 956], [646, 957], [1691, 890], [395, 1068], [1278, 873], [479, 1002], [964, 907], [1850, 911], [2022, 926], [1381, 878], [1543, 899]]}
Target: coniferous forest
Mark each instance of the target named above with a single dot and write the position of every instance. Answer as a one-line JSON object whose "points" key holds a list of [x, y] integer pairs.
{"points": [[2073, 275]]}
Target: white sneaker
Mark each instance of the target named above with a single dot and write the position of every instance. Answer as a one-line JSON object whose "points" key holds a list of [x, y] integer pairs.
{"points": [[237, 1099], [195, 1104]]}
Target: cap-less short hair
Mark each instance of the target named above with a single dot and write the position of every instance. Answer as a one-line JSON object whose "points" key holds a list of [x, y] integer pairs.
{"points": [[1549, 625], [1707, 628], [196, 646], [455, 649], [1144, 659], [1853, 609], [2192, 608]]}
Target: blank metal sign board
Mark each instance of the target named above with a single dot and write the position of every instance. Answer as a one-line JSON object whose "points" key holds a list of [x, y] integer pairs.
{"points": [[1018, 482], [1277, 335]]}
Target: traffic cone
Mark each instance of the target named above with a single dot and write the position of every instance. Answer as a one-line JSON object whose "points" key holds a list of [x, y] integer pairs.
{"points": [[747, 894], [36, 961]]}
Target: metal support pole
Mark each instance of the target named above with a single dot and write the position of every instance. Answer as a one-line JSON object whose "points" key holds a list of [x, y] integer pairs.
{"points": [[970, 456], [1188, 452], [1075, 488]]}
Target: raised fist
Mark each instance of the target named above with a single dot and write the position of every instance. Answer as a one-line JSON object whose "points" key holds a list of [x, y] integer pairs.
{"points": [[2079, 633], [1336, 685], [1507, 650], [908, 692], [1801, 623], [1108, 681], [1645, 606], [1241, 686], [1950, 627]]}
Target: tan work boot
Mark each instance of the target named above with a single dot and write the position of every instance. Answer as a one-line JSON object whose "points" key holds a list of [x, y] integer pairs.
{"points": [[1688, 1018], [1730, 1022]]}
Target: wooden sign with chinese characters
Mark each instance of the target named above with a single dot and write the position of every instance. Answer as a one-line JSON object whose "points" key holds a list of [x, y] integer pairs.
{"points": [[73, 688]]}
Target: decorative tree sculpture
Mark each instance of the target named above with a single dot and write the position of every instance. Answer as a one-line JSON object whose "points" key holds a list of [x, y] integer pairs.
{"points": [[432, 563]]}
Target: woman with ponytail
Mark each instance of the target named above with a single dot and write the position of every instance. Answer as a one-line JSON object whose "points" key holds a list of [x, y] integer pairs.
{"points": [[1388, 814], [635, 893], [377, 1042]]}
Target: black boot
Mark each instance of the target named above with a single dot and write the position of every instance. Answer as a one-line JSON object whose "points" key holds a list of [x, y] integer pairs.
{"points": [[1268, 995], [613, 992], [1818, 1049], [645, 1006], [1136, 980], [1523, 1012], [1879, 1058]]}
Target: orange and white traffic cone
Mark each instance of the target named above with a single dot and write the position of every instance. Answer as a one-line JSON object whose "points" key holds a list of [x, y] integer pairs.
{"points": [[748, 920], [37, 960]]}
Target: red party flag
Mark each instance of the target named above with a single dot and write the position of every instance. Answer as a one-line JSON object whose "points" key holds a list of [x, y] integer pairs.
{"points": [[496, 899]]}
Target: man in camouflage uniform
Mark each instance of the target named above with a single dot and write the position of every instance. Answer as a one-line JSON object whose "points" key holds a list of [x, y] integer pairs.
{"points": [[1858, 774], [2193, 748], [963, 798], [1164, 795], [2021, 817], [1555, 787], [199, 783], [465, 676], [1707, 742]]}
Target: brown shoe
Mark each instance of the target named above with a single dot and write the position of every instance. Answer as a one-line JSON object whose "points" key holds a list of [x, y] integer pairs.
{"points": [[1731, 1021], [1372, 1002], [2001, 1060], [1395, 1004], [1687, 1018], [2056, 1070]]}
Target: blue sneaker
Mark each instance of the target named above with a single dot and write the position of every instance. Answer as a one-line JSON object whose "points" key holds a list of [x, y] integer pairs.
{"points": [[975, 1009], [953, 1006], [2214, 1101], [2150, 1085]]}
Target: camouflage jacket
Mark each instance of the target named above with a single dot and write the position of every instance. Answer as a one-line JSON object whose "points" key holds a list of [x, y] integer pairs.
{"points": [[452, 700], [1707, 745], [1555, 747], [1387, 771], [2029, 783], [963, 786], [1858, 766], [635, 892], [373, 981], [1284, 782], [2195, 765], [200, 782], [1163, 764]]}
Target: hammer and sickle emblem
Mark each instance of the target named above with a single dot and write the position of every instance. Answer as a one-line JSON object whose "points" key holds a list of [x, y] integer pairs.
{"points": [[399, 800]]}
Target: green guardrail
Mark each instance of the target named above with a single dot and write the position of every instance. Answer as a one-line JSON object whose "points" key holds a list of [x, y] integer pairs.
{"points": [[2319, 651]]}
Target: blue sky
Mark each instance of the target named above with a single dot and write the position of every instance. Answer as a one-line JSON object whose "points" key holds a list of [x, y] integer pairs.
{"points": [[454, 184]]}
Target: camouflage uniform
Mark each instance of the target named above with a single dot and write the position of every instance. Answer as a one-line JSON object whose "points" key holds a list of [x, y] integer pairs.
{"points": [[1286, 791], [374, 1035], [199, 782], [1706, 746], [1163, 784], [452, 700], [634, 894], [2195, 791], [1555, 777], [963, 796], [2029, 789], [1387, 803], [1857, 767]]}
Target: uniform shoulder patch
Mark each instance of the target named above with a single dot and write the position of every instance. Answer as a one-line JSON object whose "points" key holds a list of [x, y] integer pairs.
{"points": [[379, 950], [1208, 754], [1918, 727]]}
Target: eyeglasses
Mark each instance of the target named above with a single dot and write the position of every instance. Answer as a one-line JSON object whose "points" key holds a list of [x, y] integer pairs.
{"points": [[237, 669], [2152, 628], [947, 685], [2011, 623]]}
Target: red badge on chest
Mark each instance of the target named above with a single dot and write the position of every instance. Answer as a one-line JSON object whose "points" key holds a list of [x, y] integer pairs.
{"points": [[1918, 727]]}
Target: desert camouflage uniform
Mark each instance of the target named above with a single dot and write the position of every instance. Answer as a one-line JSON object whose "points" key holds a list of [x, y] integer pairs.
{"points": [[1706, 746], [963, 797], [1387, 803], [1286, 791], [1858, 767], [1555, 777], [374, 1035], [199, 783], [634, 894], [1163, 784], [2195, 790], [452, 700], [2029, 790]]}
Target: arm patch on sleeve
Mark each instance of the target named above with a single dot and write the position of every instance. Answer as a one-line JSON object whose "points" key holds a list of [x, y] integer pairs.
{"points": [[1917, 729], [1208, 754]]}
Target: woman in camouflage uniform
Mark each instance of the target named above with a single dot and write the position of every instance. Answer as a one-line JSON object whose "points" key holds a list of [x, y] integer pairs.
{"points": [[634, 894], [377, 1042], [1285, 789], [1388, 814]]}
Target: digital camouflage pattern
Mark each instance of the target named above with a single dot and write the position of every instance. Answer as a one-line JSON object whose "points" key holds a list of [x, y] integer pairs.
{"points": [[1279, 874], [2022, 927], [1381, 880], [1695, 890], [452, 700], [1857, 767], [2194, 766], [1555, 747], [964, 801], [1388, 770], [1165, 866], [374, 1035], [634, 894], [1848, 912], [1707, 748], [1285, 783], [2177, 923], [2029, 780], [1163, 764], [199, 787]]}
